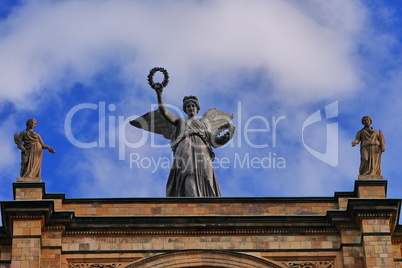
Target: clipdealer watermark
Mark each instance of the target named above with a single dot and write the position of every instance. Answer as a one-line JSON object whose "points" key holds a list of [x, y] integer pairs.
{"points": [[242, 161], [112, 134]]}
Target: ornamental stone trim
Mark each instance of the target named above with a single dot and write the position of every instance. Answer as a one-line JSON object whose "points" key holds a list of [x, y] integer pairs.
{"points": [[6, 242], [197, 258], [202, 232], [27, 217], [55, 228], [352, 226], [314, 264], [93, 265], [375, 215]]}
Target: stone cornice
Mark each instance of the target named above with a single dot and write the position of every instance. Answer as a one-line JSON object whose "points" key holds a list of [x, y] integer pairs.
{"points": [[26, 209], [199, 224], [197, 200], [376, 208], [374, 205]]}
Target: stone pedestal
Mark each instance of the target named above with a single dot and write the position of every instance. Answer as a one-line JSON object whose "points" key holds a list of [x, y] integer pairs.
{"points": [[28, 190], [371, 188]]}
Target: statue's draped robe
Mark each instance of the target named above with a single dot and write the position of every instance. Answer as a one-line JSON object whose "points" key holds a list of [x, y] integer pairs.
{"points": [[31, 161], [192, 173], [370, 151]]}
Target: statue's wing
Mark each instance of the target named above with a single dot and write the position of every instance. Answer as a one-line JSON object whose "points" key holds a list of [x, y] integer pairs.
{"points": [[216, 119], [156, 123]]}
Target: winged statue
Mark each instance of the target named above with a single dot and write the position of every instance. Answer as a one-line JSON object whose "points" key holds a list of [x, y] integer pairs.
{"points": [[192, 142]]}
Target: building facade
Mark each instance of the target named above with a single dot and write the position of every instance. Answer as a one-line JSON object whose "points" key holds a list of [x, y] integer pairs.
{"points": [[351, 229]]}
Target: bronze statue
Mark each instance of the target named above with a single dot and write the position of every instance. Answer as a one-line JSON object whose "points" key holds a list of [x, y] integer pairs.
{"points": [[192, 140], [372, 144], [30, 143]]}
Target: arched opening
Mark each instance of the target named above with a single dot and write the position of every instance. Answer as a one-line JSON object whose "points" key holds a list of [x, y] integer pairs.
{"points": [[203, 259]]}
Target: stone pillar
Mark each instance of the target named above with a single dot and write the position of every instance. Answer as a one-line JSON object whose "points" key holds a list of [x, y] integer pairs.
{"points": [[352, 251], [377, 244], [51, 247], [26, 244]]}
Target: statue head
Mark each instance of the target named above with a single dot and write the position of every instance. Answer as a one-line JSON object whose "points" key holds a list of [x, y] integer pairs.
{"points": [[365, 118], [188, 99], [30, 121]]}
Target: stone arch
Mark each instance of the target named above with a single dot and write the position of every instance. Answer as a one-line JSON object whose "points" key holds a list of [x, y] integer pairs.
{"points": [[203, 259]]}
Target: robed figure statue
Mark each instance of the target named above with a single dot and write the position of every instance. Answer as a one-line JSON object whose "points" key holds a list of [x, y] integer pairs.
{"points": [[372, 145], [192, 140], [31, 145]]}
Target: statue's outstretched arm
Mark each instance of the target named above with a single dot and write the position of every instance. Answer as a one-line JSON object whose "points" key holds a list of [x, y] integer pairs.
{"points": [[170, 117], [357, 139], [46, 147]]}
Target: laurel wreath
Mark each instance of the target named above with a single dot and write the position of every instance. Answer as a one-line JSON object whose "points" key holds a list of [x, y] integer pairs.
{"points": [[152, 73]]}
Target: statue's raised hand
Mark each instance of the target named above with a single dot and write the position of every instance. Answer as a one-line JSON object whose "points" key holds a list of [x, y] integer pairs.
{"points": [[158, 87]]}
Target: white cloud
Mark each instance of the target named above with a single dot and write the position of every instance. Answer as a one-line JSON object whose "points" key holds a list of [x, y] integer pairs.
{"points": [[50, 45]]}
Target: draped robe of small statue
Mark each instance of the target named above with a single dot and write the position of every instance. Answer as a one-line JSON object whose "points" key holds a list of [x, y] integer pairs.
{"points": [[192, 173], [371, 147], [31, 161]]}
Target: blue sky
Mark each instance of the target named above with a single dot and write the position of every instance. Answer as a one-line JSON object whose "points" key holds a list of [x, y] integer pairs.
{"points": [[80, 69]]}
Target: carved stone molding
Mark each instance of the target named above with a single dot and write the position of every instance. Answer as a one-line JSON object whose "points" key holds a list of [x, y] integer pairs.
{"points": [[310, 264], [201, 232], [27, 217], [375, 215], [203, 258], [349, 226], [6, 242], [55, 228], [93, 265]]}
